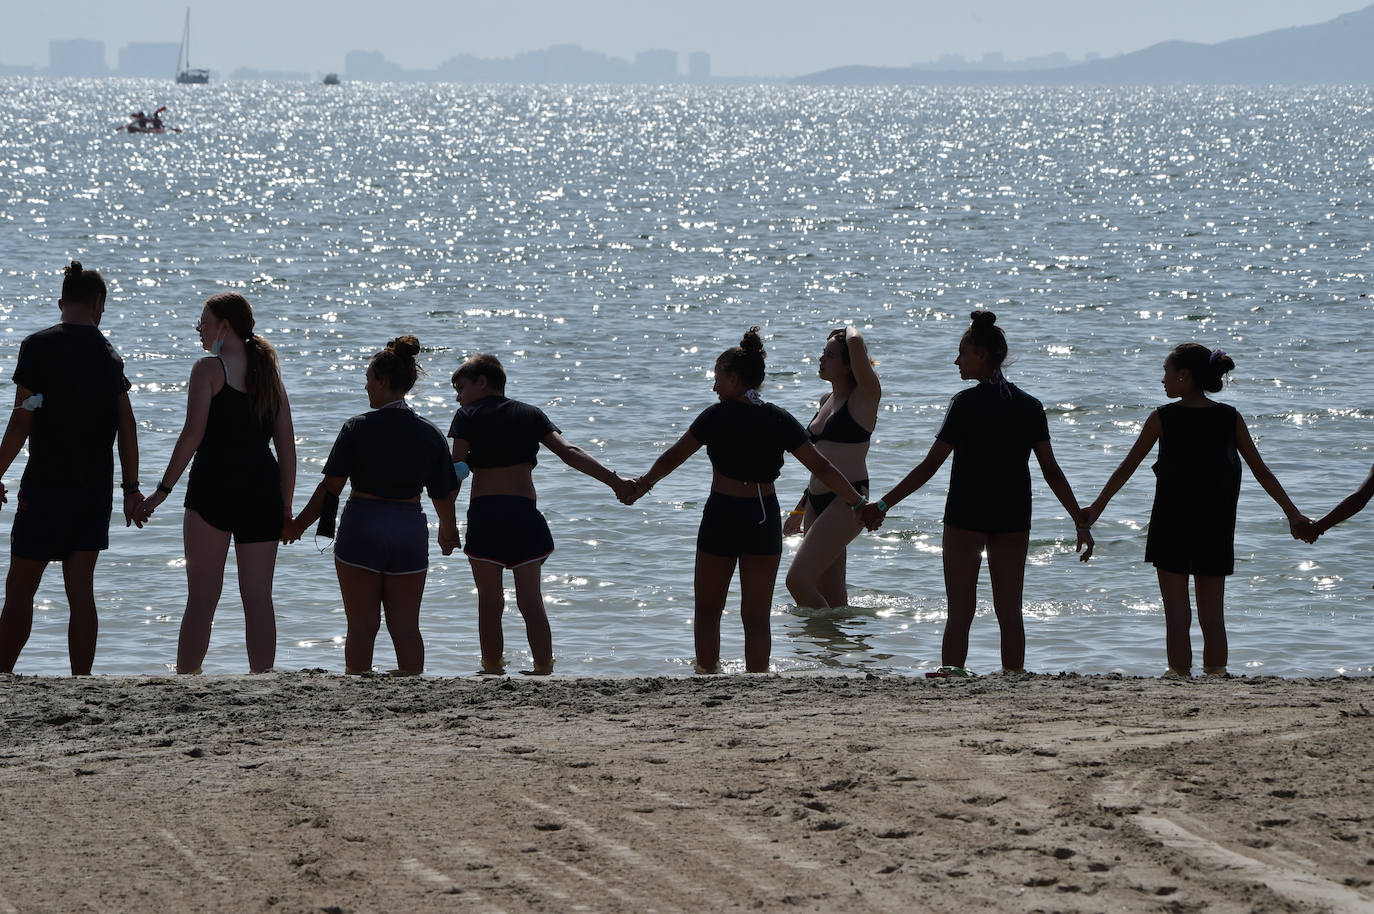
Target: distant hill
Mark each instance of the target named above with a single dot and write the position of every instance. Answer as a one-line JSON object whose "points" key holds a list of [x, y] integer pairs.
{"points": [[1338, 52]]}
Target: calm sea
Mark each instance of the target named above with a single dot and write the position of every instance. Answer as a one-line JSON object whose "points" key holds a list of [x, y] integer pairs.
{"points": [[606, 244]]}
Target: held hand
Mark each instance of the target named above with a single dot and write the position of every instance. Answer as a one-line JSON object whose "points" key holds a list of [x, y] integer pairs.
{"points": [[638, 488], [449, 539], [872, 515], [133, 505], [1085, 544], [149, 505], [291, 530], [626, 491], [793, 525], [1303, 528], [1089, 515]]}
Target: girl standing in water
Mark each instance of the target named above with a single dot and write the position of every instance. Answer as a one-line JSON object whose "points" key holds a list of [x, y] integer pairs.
{"points": [[745, 440], [388, 457], [497, 440], [840, 430], [235, 408], [1193, 520], [991, 430]]}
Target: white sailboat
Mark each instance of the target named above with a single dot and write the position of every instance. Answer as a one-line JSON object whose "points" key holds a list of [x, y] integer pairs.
{"points": [[185, 72]]}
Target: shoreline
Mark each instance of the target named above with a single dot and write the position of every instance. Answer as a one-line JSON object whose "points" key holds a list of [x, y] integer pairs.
{"points": [[319, 791]]}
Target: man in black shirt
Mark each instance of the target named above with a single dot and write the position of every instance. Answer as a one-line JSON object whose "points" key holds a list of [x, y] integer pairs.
{"points": [[71, 403]]}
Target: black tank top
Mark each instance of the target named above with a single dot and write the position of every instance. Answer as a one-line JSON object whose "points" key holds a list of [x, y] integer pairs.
{"points": [[235, 435]]}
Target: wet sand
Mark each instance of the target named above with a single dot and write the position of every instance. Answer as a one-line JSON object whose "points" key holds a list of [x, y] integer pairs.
{"points": [[315, 792]]}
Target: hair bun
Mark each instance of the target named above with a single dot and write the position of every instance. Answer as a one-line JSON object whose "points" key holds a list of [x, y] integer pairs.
{"points": [[983, 317], [73, 269], [752, 342], [407, 346]]}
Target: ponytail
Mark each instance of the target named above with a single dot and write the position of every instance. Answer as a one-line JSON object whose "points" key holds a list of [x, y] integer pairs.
{"points": [[263, 377]]}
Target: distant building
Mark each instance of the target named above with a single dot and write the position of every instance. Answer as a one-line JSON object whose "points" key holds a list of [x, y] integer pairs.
{"points": [[656, 66], [149, 58], [78, 57], [699, 66], [373, 67]]}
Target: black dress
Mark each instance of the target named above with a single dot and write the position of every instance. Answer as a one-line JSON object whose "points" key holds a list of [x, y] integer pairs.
{"points": [[1197, 483]]}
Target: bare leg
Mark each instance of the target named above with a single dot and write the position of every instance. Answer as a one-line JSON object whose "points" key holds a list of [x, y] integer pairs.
{"points": [[401, 595], [256, 563], [529, 599], [1178, 619], [362, 599], [16, 619], [78, 577], [711, 587], [491, 603], [816, 578], [757, 576], [1211, 596], [962, 557], [206, 548], [1007, 568]]}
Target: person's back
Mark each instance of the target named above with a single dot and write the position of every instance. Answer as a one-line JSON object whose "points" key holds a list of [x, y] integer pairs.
{"points": [[81, 379], [71, 403]]}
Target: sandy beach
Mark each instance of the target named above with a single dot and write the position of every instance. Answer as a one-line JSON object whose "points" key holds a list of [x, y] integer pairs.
{"points": [[315, 792]]}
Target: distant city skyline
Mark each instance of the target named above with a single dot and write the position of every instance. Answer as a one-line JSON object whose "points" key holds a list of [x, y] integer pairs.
{"points": [[759, 38]]}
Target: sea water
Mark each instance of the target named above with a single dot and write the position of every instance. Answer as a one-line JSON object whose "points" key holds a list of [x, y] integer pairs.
{"points": [[608, 243]]}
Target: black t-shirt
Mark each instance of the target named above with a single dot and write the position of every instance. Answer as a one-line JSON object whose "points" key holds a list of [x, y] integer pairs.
{"points": [[392, 453], [500, 432], [81, 378], [992, 436], [746, 441]]}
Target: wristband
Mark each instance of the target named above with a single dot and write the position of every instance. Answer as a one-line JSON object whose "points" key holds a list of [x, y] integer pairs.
{"points": [[881, 505], [863, 500], [795, 512], [164, 488], [129, 487]]}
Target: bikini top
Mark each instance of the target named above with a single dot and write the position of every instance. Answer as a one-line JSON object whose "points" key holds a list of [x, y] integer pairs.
{"points": [[841, 426]]}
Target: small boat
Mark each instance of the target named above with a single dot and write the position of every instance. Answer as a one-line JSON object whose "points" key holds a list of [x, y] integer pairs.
{"points": [[134, 128], [331, 79], [185, 72]]}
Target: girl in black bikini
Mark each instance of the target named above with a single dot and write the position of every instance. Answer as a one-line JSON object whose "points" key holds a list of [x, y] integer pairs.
{"points": [[991, 430], [840, 431], [745, 439], [236, 406]]}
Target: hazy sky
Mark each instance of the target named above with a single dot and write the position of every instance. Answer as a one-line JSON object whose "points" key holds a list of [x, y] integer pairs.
{"points": [[743, 37]]}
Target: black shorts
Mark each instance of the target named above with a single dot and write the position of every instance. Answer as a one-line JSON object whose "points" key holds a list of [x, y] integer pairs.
{"points": [[734, 526], [388, 537], [51, 524], [507, 530], [249, 505]]}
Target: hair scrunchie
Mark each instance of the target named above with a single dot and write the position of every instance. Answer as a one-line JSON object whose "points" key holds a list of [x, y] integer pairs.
{"points": [[1216, 354]]}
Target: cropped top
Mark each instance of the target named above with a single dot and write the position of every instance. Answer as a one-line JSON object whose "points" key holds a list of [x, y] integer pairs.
{"points": [[746, 441], [392, 453], [501, 432], [841, 427]]}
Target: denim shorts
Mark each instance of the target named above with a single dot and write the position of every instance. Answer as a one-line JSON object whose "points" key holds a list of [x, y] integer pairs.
{"points": [[388, 537]]}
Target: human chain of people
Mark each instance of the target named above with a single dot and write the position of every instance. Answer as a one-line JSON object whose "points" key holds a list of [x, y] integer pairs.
{"points": [[72, 410]]}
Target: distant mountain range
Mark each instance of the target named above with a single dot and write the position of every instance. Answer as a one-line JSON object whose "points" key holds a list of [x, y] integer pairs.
{"points": [[1337, 52]]}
